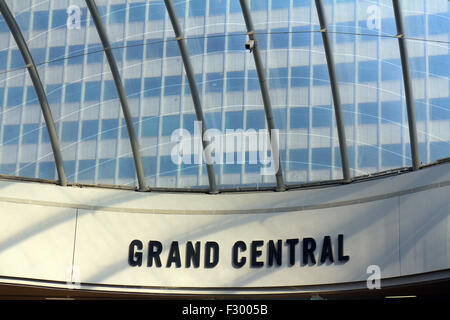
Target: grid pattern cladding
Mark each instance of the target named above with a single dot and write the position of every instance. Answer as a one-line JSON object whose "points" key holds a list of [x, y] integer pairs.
{"points": [[92, 131]]}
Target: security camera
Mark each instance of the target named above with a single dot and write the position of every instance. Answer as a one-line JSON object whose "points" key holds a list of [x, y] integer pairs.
{"points": [[249, 45]]}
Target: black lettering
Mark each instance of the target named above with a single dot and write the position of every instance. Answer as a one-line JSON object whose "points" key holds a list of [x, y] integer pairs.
{"points": [[255, 253], [135, 257], [327, 251], [154, 250], [292, 243], [274, 252], [239, 245], [341, 256], [192, 254], [309, 245], [214, 247], [174, 255]]}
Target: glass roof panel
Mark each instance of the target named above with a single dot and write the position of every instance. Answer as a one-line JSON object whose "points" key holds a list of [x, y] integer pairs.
{"points": [[89, 119]]}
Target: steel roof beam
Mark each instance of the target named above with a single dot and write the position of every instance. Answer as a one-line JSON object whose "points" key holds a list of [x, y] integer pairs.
{"points": [[334, 90], [407, 84], [120, 91], [194, 91], [39, 88], [253, 47]]}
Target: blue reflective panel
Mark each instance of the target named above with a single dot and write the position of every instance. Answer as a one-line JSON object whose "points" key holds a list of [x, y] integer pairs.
{"points": [[44, 133], [76, 54], [172, 85], [196, 46], [133, 87], [278, 78], [236, 41], [110, 129], [92, 90], [368, 113], [136, 12], [40, 20], [346, 72], [235, 6], [188, 122], [3, 59], [367, 156], [86, 170], [320, 74], [391, 155], [73, 93], [167, 167], [38, 55], [216, 43], [16, 60], [156, 11], [416, 20], [252, 80], [150, 127], [134, 50], [15, 96], [118, 50], [391, 111], [439, 66], [299, 118], [155, 49], [59, 18], [256, 119], [298, 159], [321, 158], [69, 131], [149, 165], [300, 76], [31, 96], [95, 53], [8, 168], [117, 13], [30, 133], [152, 87], [214, 120], [301, 36], [197, 8], [188, 169], [279, 38], [321, 116], [3, 25], [126, 168], [172, 49], [56, 53], [261, 38], [217, 7], [259, 5], [235, 80], [348, 113], [27, 170], [440, 109], [170, 124], [214, 82], [234, 120], [11, 133], [439, 150], [368, 71], [47, 170], [106, 169], [89, 130], [109, 90], [391, 70], [23, 20], [251, 166], [54, 93], [438, 24]]}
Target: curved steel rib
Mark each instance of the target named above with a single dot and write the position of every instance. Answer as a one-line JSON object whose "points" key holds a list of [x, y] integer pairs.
{"points": [[120, 91], [40, 92], [194, 91], [264, 92], [334, 91]]}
